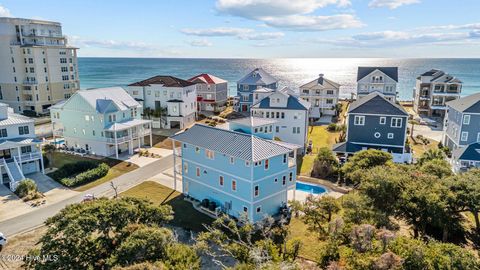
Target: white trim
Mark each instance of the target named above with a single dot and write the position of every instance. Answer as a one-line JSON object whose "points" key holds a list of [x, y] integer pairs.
{"points": [[466, 117], [361, 119], [383, 120], [390, 135], [396, 118], [466, 136], [375, 144], [378, 114], [377, 135]]}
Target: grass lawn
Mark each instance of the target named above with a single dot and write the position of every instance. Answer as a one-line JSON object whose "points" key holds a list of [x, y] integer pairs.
{"points": [[185, 215], [311, 245], [160, 141], [117, 167], [320, 137], [419, 147]]}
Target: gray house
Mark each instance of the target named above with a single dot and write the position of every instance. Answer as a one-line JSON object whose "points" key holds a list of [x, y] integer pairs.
{"points": [[462, 130], [375, 122]]}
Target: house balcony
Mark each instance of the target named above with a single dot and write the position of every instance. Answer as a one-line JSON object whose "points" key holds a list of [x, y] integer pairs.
{"points": [[292, 162], [30, 156], [28, 82]]}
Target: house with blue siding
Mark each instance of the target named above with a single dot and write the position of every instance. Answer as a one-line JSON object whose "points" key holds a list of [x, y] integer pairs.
{"points": [[257, 78], [241, 173], [461, 132], [373, 122], [102, 121]]}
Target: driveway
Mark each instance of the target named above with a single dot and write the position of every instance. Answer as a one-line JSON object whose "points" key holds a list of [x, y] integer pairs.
{"points": [[434, 133], [11, 205], [36, 218]]}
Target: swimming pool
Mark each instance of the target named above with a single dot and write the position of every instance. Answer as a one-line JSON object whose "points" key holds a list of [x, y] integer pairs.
{"points": [[310, 188]]}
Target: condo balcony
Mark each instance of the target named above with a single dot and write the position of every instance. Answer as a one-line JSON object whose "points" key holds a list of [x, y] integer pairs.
{"points": [[30, 82]]}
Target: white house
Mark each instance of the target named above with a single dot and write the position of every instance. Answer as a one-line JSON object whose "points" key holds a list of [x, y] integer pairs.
{"points": [[322, 94], [20, 151], [178, 96], [291, 113], [382, 80], [103, 121]]}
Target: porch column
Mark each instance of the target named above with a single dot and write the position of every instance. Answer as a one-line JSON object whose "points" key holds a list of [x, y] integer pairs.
{"points": [[41, 160], [150, 128], [116, 143], [294, 191], [130, 144], [20, 157], [174, 167]]}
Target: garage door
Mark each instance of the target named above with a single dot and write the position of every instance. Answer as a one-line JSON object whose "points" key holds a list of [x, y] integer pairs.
{"points": [[29, 167]]}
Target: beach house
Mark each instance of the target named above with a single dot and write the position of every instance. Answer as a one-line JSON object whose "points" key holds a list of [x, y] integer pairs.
{"points": [[212, 92], [373, 122], [255, 79], [174, 100], [461, 132], [102, 121], [290, 112], [382, 80], [433, 89], [322, 94], [235, 172], [20, 151]]}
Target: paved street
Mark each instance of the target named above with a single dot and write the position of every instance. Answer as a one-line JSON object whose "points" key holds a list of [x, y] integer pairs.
{"points": [[36, 218]]}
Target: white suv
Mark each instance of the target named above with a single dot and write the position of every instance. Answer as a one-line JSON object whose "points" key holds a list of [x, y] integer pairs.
{"points": [[3, 241]]}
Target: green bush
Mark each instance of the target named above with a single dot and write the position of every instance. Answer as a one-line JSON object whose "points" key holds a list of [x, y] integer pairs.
{"points": [[86, 176], [332, 127], [26, 187], [70, 169]]}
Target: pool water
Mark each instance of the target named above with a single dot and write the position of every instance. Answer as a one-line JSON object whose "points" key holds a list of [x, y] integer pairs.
{"points": [[310, 188]]}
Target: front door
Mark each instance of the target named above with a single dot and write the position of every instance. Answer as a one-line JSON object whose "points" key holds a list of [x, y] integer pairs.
{"points": [[244, 108], [5, 154], [157, 105]]}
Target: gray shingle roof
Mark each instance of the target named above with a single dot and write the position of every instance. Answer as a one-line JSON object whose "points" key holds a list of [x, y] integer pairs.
{"points": [[391, 72], [258, 76], [470, 152], [236, 144], [166, 81], [469, 103], [293, 103], [375, 103]]}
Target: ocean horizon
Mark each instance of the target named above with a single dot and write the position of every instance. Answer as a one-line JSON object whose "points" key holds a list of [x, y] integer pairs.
{"points": [[97, 72]]}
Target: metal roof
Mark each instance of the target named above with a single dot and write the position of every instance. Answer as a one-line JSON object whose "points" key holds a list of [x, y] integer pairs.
{"points": [[206, 78], [126, 124], [469, 103], [15, 119], [254, 121], [391, 72], [375, 103], [232, 143], [258, 76]]}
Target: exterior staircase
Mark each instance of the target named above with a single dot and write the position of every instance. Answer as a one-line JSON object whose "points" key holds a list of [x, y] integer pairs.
{"points": [[14, 173]]}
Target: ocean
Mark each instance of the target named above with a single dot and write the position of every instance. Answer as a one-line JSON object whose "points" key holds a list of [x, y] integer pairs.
{"points": [[104, 72]]}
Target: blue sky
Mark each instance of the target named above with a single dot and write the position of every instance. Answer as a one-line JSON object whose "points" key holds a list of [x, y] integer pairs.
{"points": [[262, 28]]}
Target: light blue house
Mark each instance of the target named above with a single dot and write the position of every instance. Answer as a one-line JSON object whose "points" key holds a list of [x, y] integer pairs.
{"points": [[240, 172], [373, 122], [462, 131], [103, 121], [257, 78]]}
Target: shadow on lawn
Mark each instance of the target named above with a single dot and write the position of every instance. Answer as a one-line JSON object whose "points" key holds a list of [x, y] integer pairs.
{"points": [[185, 215]]}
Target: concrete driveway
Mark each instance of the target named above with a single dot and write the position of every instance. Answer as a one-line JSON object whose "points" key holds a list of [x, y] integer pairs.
{"points": [[11, 205], [434, 133], [53, 191]]}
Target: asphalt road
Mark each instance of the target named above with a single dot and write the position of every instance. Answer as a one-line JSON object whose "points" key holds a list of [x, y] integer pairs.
{"points": [[36, 218]]}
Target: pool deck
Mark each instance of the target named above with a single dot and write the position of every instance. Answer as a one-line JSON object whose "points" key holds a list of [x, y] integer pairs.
{"points": [[332, 189]]}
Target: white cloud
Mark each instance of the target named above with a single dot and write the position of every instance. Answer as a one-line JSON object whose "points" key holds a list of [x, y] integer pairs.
{"points": [[258, 9], [391, 4], [291, 15], [200, 43], [241, 33], [5, 12], [315, 23]]}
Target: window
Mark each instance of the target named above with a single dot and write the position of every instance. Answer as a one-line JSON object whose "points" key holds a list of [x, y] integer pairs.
{"points": [[220, 180], [210, 154], [26, 149], [245, 209], [3, 133], [383, 120], [268, 115], [198, 172], [296, 130], [290, 177], [266, 164], [276, 180], [93, 132], [87, 118], [464, 136], [390, 135], [283, 115], [359, 120], [197, 150], [259, 209], [396, 122], [245, 98], [232, 160], [234, 185], [284, 180], [247, 163], [256, 192], [377, 135], [23, 130], [284, 158], [185, 168], [466, 119], [245, 87], [277, 128]]}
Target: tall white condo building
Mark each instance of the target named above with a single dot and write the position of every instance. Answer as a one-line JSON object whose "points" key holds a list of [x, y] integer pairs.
{"points": [[38, 67]]}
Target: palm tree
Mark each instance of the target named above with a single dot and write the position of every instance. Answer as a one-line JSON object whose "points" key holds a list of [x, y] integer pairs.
{"points": [[413, 123]]}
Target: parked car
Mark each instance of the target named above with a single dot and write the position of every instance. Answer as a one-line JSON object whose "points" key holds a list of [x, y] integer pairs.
{"points": [[88, 198], [3, 241]]}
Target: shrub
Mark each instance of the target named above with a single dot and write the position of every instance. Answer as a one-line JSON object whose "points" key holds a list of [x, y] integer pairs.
{"points": [[332, 127], [70, 169], [25, 187], [86, 176], [46, 161]]}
